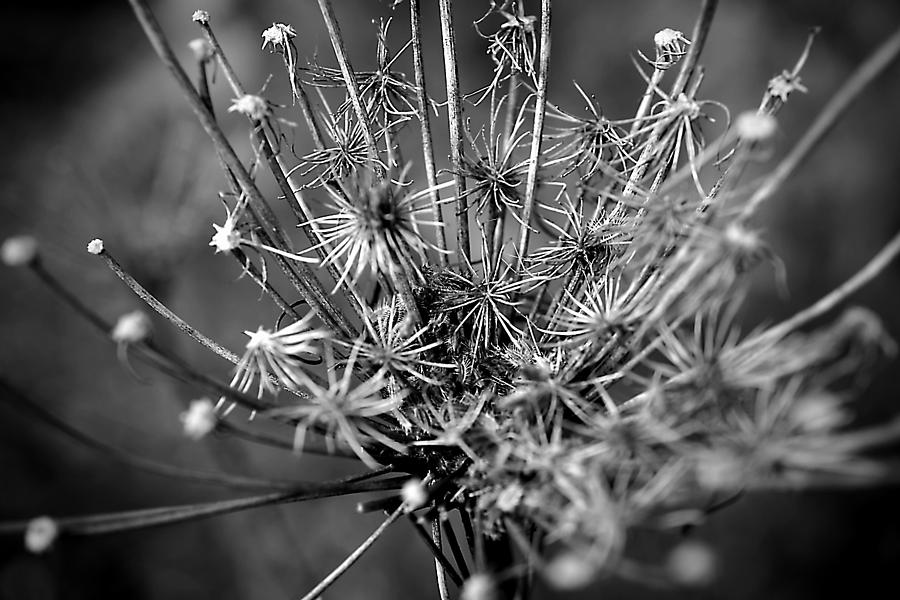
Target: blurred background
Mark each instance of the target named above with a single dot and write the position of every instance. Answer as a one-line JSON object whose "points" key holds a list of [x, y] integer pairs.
{"points": [[98, 143]]}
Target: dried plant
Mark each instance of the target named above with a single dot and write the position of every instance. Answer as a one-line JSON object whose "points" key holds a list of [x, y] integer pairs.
{"points": [[549, 381]]}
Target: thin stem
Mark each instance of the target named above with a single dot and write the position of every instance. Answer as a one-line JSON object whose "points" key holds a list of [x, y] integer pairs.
{"points": [[37, 267], [454, 112], [340, 52], [645, 100], [164, 311], [311, 445], [438, 567], [871, 270], [512, 96], [425, 126], [304, 279], [261, 281], [26, 404], [439, 557], [698, 40], [354, 556], [827, 118], [540, 110], [153, 517], [455, 549]]}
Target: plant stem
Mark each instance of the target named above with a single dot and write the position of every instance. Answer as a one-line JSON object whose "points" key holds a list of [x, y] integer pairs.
{"points": [[425, 125], [153, 517], [537, 134], [875, 266], [337, 42], [454, 112], [26, 404], [164, 311], [354, 556], [698, 40], [445, 565]]}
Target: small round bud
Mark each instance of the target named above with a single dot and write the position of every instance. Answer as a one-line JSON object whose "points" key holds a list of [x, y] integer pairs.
{"points": [[95, 246], [480, 586], [19, 251], [692, 563], [755, 127], [203, 50], [255, 107], [131, 328], [200, 16], [414, 494], [570, 570], [40, 534], [199, 419]]}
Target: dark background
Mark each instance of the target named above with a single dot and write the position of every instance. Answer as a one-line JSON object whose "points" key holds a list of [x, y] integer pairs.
{"points": [[97, 142]]}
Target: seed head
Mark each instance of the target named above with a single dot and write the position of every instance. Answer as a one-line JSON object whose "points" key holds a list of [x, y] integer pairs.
{"points": [[200, 16]]}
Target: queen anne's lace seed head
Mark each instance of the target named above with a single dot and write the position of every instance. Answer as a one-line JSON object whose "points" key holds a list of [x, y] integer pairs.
{"points": [[558, 390]]}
